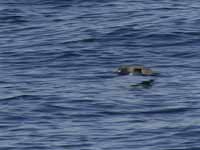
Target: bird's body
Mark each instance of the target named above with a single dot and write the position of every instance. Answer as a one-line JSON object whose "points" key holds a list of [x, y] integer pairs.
{"points": [[136, 69]]}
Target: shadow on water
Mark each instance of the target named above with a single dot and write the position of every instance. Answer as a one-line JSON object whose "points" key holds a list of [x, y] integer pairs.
{"points": [[144, 84]]}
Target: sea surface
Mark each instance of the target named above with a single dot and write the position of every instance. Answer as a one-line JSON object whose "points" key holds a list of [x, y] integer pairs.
{"points": [[58, 85]]}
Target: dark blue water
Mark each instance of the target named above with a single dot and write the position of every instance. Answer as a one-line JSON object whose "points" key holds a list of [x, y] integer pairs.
{"points": [[57, 86]]}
